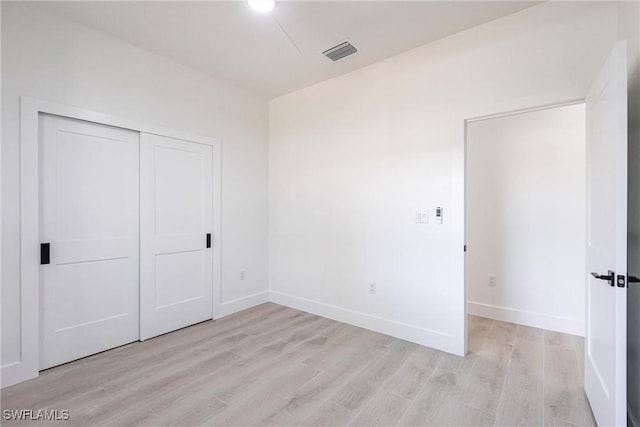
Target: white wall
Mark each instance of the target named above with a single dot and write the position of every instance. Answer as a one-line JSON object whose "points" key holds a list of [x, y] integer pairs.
{"points": [[53, 59], [526, 218], [353, 158]]}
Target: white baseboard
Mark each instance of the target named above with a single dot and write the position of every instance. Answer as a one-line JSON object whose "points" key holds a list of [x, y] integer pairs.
{"points": [[528, 318], [430, 338], [233, 306], [15, 373]]}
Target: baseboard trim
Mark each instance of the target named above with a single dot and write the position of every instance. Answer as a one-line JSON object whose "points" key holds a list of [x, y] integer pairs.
{"points": [[528, 318], [430, 338], [239, 304], [16, 372]]}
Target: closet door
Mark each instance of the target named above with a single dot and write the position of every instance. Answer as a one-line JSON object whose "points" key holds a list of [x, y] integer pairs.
{"points": [[176, 259], [89, 220]]}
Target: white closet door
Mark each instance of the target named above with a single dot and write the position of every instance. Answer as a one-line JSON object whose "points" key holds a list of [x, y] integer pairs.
{"points": [[176, 206], [89, 216]]}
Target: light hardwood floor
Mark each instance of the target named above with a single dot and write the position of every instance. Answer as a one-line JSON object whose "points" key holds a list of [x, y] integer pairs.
{"points": [[272, 365]]}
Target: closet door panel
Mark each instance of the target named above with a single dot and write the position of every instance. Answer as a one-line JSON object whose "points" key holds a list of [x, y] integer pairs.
{"points": [[89, 216], [176, 204]]}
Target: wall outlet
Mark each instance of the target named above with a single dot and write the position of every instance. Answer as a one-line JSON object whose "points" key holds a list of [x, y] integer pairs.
{"points": [[372, 288], [243, 275], [492, 280]]}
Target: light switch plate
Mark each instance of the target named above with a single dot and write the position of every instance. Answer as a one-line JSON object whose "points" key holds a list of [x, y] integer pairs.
{"points": [[422, 217]]}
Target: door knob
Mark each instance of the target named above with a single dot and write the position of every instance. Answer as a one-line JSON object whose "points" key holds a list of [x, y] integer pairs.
{"points": [[610, 277]]}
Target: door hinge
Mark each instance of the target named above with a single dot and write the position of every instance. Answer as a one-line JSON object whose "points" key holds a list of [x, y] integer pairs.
{"points": [[208, 240], [621, 281], [465, 248]]}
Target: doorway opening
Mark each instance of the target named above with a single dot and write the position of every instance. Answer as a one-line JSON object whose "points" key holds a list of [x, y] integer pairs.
{"points": [[525, 204]]}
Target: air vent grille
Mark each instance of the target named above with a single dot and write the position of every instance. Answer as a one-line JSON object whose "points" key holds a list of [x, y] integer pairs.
{"points": [[340, 51]]}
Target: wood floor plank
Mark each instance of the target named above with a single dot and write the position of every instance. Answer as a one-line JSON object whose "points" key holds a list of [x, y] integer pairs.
{"points": [[484, 386], [77, 405], [530, 334], [579, 347], [498, 343], [50, 387], [283, 377], [324, 338], [348, 343], [385, 409], [283, 316], [464, 415], [558, 339], [413, 373], [567, 405], [278, 418], [288, 331], [196, 353], [461, 365], [135, 417], [207, 332], [561, 367], [436, 402], [234, 379], [364, 385], [167, 380], [251, 413], [346, 364], [522, 401], [191, 409], [564, 397], [478, 327], [329, 414], [240, 374], [108, 412], [527, 357]]}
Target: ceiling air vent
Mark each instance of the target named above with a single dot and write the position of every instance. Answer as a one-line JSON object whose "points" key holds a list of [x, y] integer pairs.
{"points": [[340, 51]]}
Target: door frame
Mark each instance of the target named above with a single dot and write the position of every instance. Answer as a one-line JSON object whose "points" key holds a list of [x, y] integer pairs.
{"points": [[464, 212], [30, 108]]}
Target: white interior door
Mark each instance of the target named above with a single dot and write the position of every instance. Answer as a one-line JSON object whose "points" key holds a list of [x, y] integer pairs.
{"points": [[605, 358], [176, 205], [89, 217]]}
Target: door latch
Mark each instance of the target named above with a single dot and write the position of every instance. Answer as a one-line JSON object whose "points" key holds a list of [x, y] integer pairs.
{"points": [[621, 281]]}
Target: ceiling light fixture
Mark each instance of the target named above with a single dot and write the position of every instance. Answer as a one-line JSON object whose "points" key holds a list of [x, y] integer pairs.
{"points": [[262, 6]]}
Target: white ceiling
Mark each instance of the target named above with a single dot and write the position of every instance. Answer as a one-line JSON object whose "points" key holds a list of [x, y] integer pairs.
{"points": [[228, 40]]}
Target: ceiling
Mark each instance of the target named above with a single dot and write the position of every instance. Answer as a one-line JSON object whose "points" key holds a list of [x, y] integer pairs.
{"points": [[273, 54]]}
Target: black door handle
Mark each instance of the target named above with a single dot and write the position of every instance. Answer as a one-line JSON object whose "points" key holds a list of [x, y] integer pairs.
{"points": [[45, 253], [610, 277], [208, 240], [634, 279]]}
